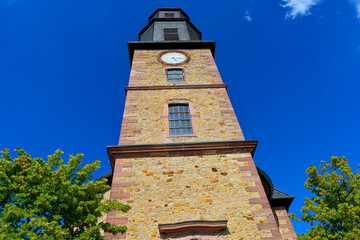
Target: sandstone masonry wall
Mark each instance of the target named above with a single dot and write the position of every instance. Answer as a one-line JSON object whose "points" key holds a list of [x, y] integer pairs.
{"points": [[204, 187], [146, 70], [145, 121]]}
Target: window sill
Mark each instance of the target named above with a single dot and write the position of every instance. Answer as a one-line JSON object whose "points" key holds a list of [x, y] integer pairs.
{"points": [[186, 135]]}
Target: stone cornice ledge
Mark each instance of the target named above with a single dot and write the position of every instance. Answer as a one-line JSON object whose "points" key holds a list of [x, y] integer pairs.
{"points": [[160, 87], [180, 149], [193, 225]]}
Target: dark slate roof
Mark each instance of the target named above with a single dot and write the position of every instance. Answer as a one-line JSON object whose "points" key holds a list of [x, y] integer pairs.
{"points": [[276, 197], [280, 199], [108, 176], [278, 194]]}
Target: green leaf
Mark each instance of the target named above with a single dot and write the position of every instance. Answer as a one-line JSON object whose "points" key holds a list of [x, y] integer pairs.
{"points": [[52, 200], [334, 210]]}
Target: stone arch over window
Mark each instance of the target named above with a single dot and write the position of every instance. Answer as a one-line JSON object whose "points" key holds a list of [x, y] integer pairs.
{"points": [[193, 230]]}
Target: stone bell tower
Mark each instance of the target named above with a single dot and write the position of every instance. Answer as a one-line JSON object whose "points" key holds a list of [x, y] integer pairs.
{"points": [[182, 162]]}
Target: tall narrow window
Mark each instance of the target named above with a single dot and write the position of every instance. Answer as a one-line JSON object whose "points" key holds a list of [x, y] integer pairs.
{"points": [[169, 15], [171, 34], [179, 119], [175, 75]]}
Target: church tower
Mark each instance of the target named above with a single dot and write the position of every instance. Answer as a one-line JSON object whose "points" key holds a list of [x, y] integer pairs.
{"points": [[182, 162]]}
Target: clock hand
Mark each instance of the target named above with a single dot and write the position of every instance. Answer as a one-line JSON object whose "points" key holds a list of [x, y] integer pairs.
{"points": [[174, 58]]}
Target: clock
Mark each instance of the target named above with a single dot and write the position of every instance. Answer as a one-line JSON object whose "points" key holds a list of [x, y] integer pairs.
{"points": [[173, 57]]}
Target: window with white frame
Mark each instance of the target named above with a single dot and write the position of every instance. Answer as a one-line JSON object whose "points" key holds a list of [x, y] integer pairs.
{"points": [[175, 75], [179, 119]]}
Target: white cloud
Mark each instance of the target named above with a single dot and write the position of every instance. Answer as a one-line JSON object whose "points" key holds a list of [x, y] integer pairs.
{"points": [[357, 6], [247, 16], [300, 7]]}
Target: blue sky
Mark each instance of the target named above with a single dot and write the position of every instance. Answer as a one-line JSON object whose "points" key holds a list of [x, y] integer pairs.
{"points": [[292, 67]]}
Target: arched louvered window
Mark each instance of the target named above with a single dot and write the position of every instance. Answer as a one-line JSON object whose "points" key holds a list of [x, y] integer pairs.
{"points": [[171, 34]]}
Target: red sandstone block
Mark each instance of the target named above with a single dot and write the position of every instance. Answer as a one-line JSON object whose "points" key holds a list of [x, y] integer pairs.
{"points": [[120, 184], [123, 184], [237, 138], [255, 179], [245, 168], [251, 164], [133, 104], [266, 205], [131, 115], [117, 170], [287, 225], [244, 159], [257, 200], [124, 164], [127, 120], [289, 235], [285, 217], [127, 134], [126, 142], [251, 169], [276, 233], [254, 189], [131, 99], [267, 226], [126, 127], [124, 174], [263, 201], [262, 212], [271, 219], [117, 164], [118, 221], [117, 195], [129, 108]]}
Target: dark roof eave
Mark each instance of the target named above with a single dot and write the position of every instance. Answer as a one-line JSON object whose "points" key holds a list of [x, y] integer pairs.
{"points": [[164, 45], [282, 202], [133, 150], [268, 179], [106, 175]]}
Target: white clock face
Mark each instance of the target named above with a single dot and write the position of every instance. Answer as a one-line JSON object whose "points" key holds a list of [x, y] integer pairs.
{"points": [[173, 58]]}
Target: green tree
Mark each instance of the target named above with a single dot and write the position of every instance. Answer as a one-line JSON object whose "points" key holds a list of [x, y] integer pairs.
{"points": [[52, 200], [334, 211]]}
